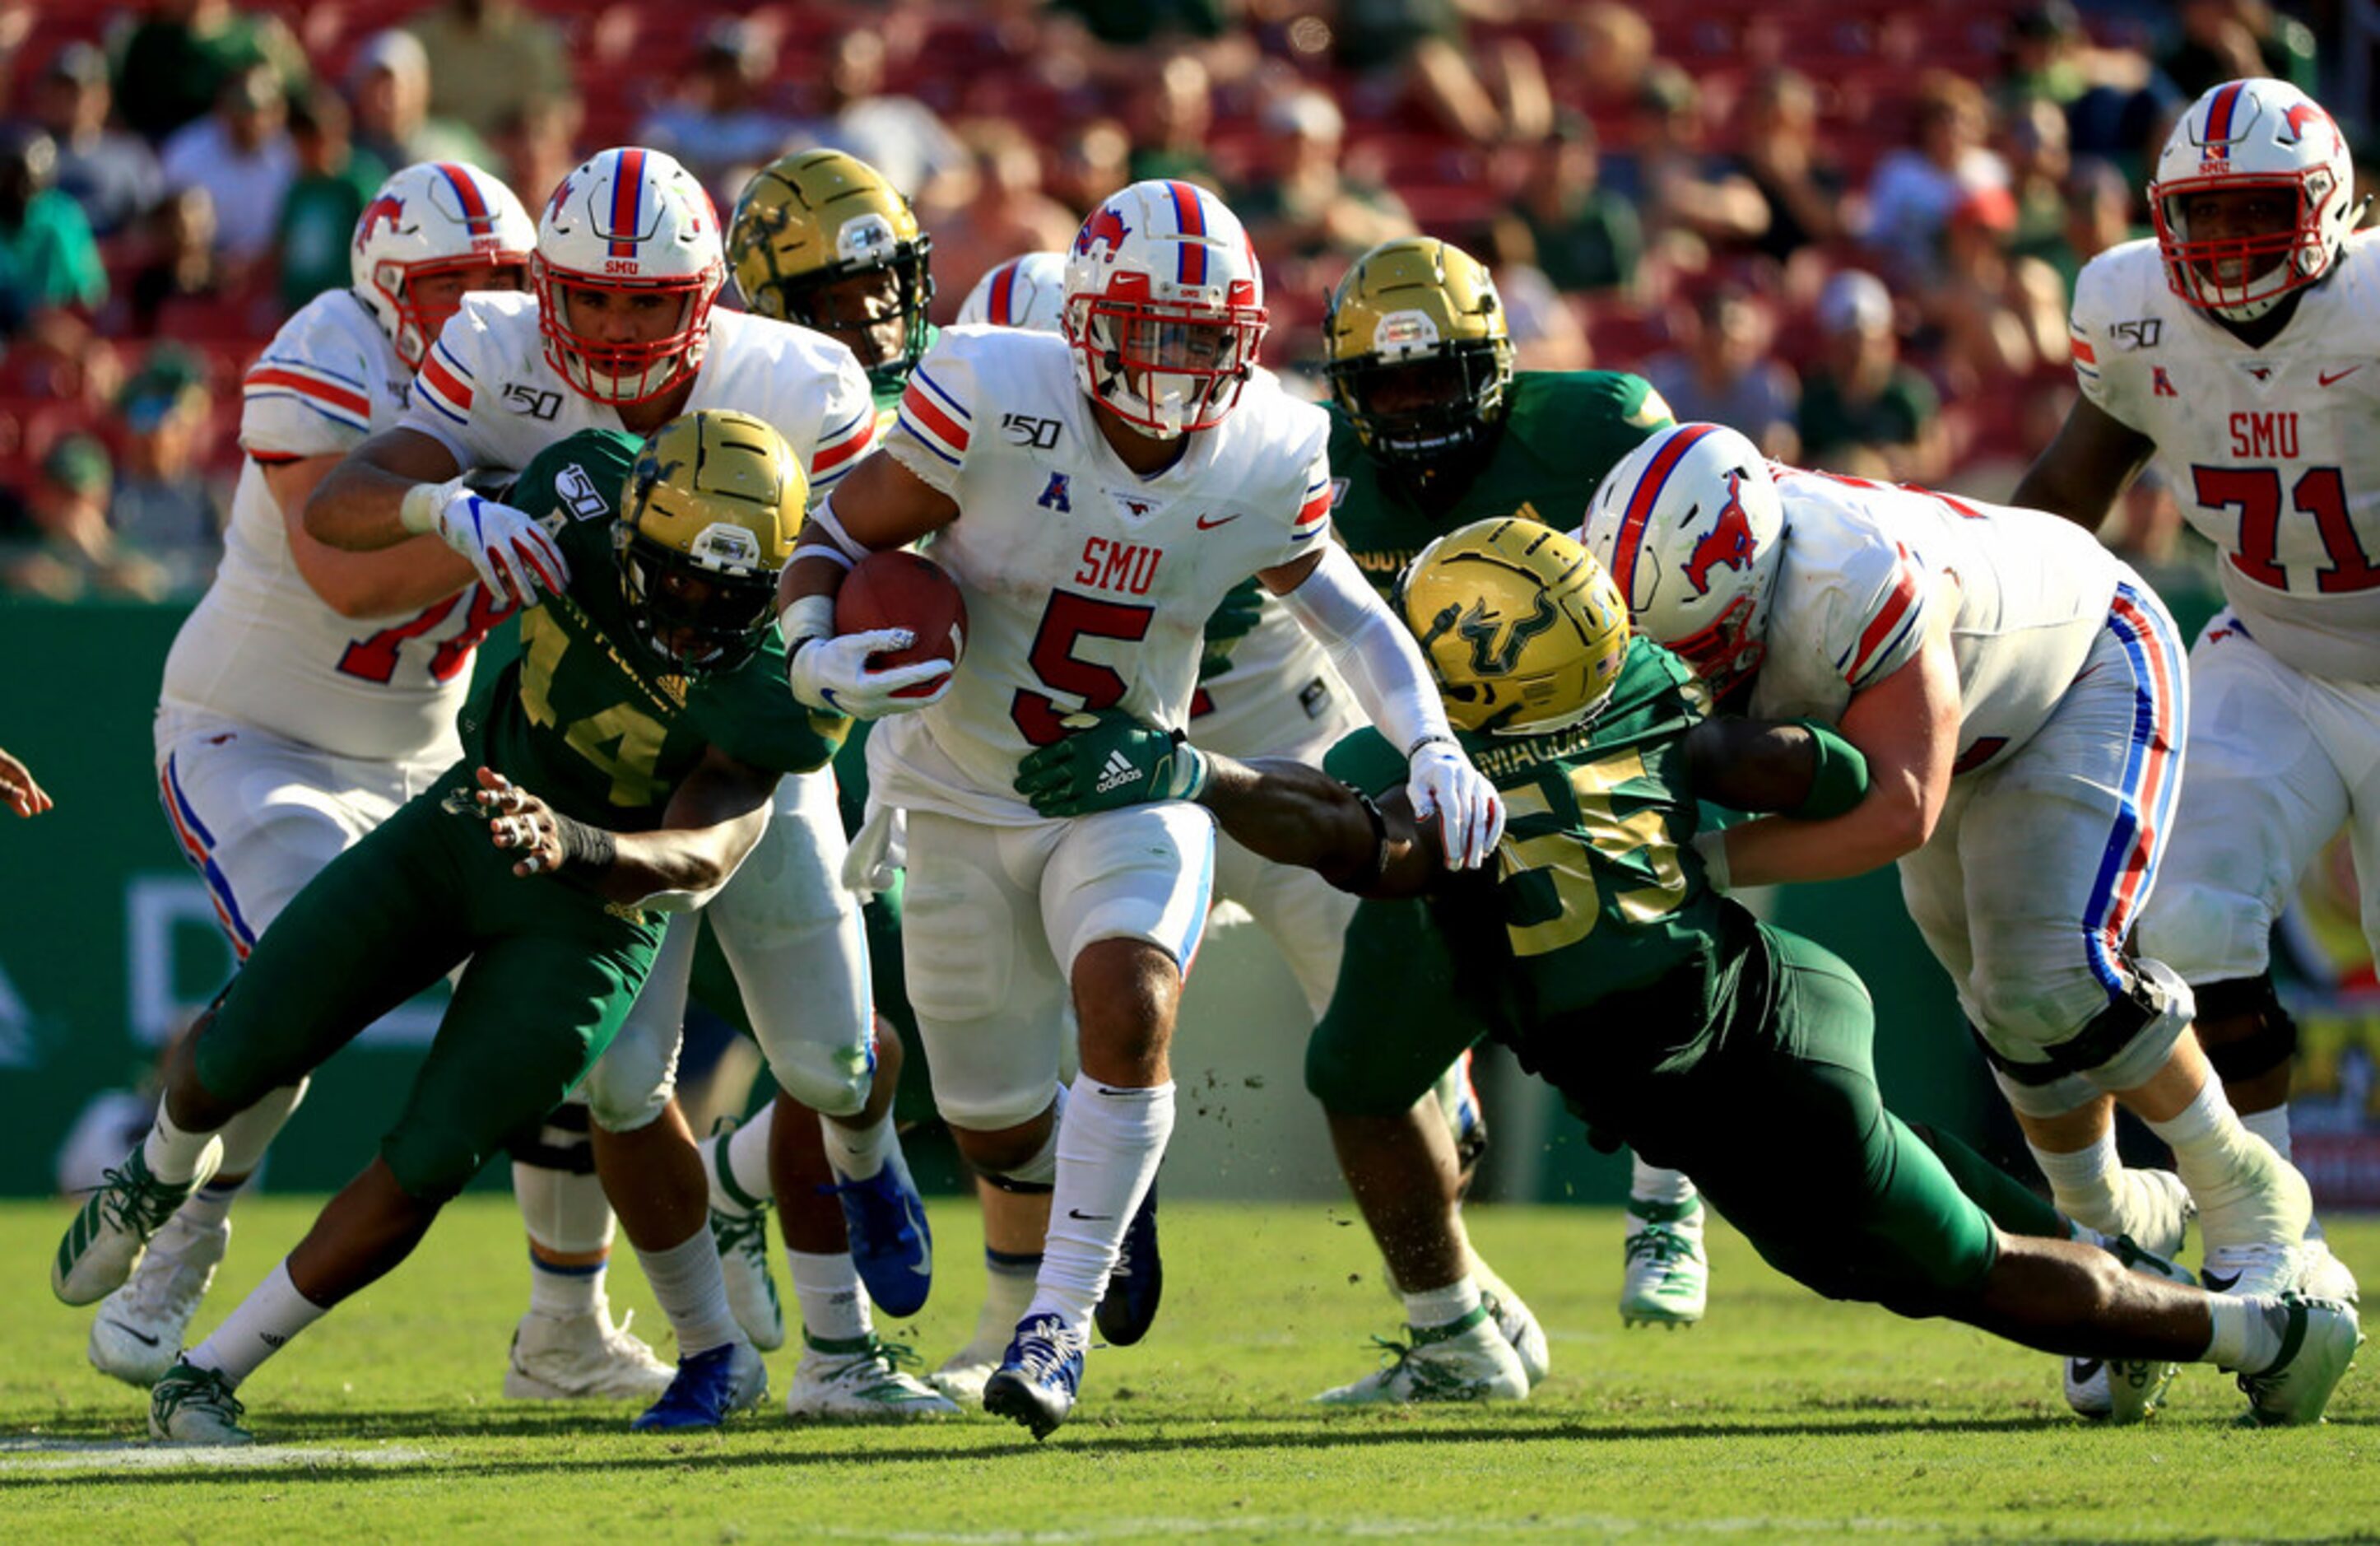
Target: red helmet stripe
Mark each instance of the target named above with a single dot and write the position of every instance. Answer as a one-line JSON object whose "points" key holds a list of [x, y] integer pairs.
{"points": [[475, 215], [1640, 506], [627, 202], [1003, 294], [2219, 113], [1192, 215]]}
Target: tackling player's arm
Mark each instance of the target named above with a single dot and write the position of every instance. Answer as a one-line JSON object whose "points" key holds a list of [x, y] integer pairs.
{"points": [[1906, 726], [1802, 768], [879, 505], [2080, 474], [714, 819], [402, 483], [405, 578], [1291, 813]]}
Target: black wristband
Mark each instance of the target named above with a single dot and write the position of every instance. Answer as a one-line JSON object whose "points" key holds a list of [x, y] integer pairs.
{"points": [[583, 846], [1364, 880]]}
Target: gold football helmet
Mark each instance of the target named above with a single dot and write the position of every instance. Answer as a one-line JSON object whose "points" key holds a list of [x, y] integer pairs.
{"points": [[1522, 629], [821, 240], [706, 524], [1420, 354]]}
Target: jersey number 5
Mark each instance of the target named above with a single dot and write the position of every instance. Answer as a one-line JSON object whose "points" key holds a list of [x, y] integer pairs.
{"points": [[2256, 492], [1070, 617]]}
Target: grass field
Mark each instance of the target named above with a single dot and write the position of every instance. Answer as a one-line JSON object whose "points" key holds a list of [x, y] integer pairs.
{"points": [[1782, 1417]]}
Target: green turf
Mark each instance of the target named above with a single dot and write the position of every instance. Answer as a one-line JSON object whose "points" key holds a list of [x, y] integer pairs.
{"points": [[1782, 1417]]}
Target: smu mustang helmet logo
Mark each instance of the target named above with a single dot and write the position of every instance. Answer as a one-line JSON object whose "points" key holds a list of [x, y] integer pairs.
{"points": [[1728, 542], [1478, 625], [2300, 115], [1107, 227], [388, 207]]}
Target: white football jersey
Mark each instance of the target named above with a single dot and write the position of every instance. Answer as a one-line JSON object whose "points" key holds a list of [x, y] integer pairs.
{"points": [[1865, 571], [1282, 695], [1086, 585], [2271, 452], [261, 646], [489, 394]]}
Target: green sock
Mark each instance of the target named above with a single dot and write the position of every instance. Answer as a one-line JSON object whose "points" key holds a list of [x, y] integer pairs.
{"points": [[2005, 1200]]}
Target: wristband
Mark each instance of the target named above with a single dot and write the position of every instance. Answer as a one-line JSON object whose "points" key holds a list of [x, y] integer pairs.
{"points": [[1198, 766], [1840, 782], [804, 619], [584, 846], [1369, 876], [418, 511], [1435, 737], [1712, 845]]}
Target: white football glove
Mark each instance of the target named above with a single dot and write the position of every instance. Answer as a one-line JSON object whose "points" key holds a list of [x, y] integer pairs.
{"points": [[515, 555], [832, 673], [1442, 782]]}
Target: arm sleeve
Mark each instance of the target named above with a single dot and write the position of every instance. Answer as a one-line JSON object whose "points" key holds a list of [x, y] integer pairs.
{"points": [[300, 402], [935, 423], [1371, 649]]}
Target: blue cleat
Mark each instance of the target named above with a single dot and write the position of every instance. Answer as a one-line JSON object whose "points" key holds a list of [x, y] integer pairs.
{"points": [[1038, 1376], [1136, 1282], [709, 1385], [890, 1243]]}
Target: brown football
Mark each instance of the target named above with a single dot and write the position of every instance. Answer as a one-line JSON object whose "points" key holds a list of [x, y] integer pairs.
{"points": [[902, 590]]}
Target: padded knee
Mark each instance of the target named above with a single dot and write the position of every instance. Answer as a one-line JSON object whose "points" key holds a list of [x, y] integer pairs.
{"points": [[2134, 1037], [431, 1163], [1354, 1076], [832, 1081], [631, 1083], [2043, 1009], [2206, 932], [2271, 1038]]}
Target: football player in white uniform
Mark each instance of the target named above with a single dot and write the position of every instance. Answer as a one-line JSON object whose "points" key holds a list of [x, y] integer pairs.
{"points": [[1265, 688], [621, 335], [312, 693], [2018, 693], [2238, 349], [1095, 497]]}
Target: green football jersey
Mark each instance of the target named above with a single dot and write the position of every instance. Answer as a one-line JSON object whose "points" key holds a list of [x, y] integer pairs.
{"points": [[586, 717], [1597, 898], [1563, 431]]}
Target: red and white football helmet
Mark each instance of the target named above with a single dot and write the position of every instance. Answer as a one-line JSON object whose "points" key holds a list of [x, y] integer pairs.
{"points": [[1164, 307], [432, 217], [1027, 291], [1690, 525], [2247, 134], [630, 222]]}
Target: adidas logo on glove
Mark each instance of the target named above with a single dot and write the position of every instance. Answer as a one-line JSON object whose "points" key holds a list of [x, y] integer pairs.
{"points": [[1118, 773]]}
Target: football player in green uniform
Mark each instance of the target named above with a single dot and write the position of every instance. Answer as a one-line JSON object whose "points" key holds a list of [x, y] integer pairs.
{"points": [[1432, 427], [821, 240], [1669, 1018], [620, 769]]}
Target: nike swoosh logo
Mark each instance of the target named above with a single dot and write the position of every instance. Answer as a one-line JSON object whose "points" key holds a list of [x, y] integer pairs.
{"points": [[142, 1338], [1090, 1218], [1206, 525], [2218, 1284], [2083, 1371], [2326, 378]]}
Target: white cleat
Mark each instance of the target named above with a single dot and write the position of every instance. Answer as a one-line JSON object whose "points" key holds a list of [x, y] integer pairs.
{"points": [[194, 1405], [2318, 1342], [103, 1247], [1515, 1320], [2156, 1210], [2253, 1271], [1467, 1361], [138, 1334], [1667, 1277], [962, 1374], [751, 1288], [2324, 1276], [861, 1381], [582, 1358], [2121, 1391]]}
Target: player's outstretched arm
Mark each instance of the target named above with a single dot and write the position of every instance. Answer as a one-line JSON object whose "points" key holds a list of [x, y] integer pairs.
{"points": [[1335, 604], [402, 483], [18, 790], [1906, 727], [2095, 458], [405, 578], [1802, 768], [1291, 813], [881, 505], [713, 821]]}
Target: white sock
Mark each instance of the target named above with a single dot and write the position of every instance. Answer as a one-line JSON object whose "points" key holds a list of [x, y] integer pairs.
{"points": [[859, 1154], [687, 1280], [210, 1205], [566, 1292], [2220, 1163], [1442, 1306], [738, 1166], [248, 1134], [834, 1303], [172, 1154], [2244, 1336], [2272, 1126], [1108, 1147], [2082, 1183], [260, 1327], [1652, 1184], [1008, 1290]]}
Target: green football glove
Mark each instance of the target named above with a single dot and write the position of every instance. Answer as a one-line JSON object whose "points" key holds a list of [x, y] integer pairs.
{"points": [[1233, 619], [1109, 761]]}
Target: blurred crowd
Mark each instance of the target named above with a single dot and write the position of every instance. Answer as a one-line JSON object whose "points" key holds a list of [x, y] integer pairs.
{"points": [[1847, 227]]}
